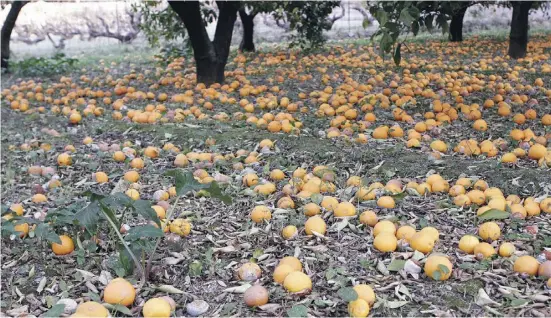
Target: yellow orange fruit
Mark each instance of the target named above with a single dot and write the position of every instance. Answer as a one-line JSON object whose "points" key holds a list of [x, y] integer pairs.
{"points": [[91, 309], [156, 308], [405, 232], [386, 202], [526, 265], [358, 308], [281, 271], [366, 293], [422, 242], [261, 213], [385, 242], [297, 283], [291, 261], [489, 231], [467, 243], [315, 224], [344, 209], [119, 292], [368, 218], [384, 226], [483, 250], [506, 249], [181, 227], [289, 232], [438, 267]]}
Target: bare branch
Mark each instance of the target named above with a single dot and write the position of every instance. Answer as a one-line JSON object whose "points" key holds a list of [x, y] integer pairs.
{"points": [[363, 12], [336, 17]]}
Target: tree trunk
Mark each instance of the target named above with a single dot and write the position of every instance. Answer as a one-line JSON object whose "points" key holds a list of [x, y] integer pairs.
{"points": [[518, 38], [456, 25], [210, 57], [247, 43], [7, 28]]}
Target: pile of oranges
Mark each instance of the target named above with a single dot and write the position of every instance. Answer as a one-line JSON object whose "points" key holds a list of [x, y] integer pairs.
{"points": [[487, 107]]}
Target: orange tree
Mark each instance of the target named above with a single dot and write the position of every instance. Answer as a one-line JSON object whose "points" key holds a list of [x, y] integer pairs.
{"points": [[402, 17], [7, 28], [307, 18]]}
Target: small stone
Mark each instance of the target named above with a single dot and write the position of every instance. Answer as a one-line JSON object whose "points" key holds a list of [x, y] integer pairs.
{"points": [[197, 308]]}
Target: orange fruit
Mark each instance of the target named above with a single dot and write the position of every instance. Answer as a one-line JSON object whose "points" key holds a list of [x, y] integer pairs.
{"points": [[91, 309], [385, 242], [156, 308], [256, 296], [386, 202], [433, 267], [261, 213], [368, 218], [66, 247], [291, 261], [526, 264], [344, 209], [119, 292], [297, 283], [315, 224]]}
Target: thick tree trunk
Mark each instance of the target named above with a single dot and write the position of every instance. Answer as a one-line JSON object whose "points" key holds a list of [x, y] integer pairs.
{"points": [[518, 38], [247, 43], [7, 28], [210, 57], [456, 25]]}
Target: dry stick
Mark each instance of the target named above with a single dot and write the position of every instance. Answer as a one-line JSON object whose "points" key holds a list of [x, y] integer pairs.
{"points": [[150, 261]]}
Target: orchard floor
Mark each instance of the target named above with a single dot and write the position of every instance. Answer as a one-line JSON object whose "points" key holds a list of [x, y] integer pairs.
{"points": [[203, 264]]}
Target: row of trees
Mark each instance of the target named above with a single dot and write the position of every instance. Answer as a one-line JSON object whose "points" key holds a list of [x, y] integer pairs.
{"points": [[399, 17], [308, 20]]}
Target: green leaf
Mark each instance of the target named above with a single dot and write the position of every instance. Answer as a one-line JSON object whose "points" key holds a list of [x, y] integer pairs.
{"points": [[195, 268], [93, 195], [443, 268], [90, 215], [298, 311], [118, 199], [415, 28], [109, 213], [266, 169], [216, 192], [330, 273], [347, 294], [125, 261], [518, 302], [316, 198], [184, 181], [436, 275], [386, 43], [397, 56], [120, 308], [409, 14], [148, 230], [55, 311], [443, 23], [8, 228], [365, 23], [44, 232], [494, 214], [396, 265], [228, 308], [257, 253], [143, 208], [428, 22]]}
